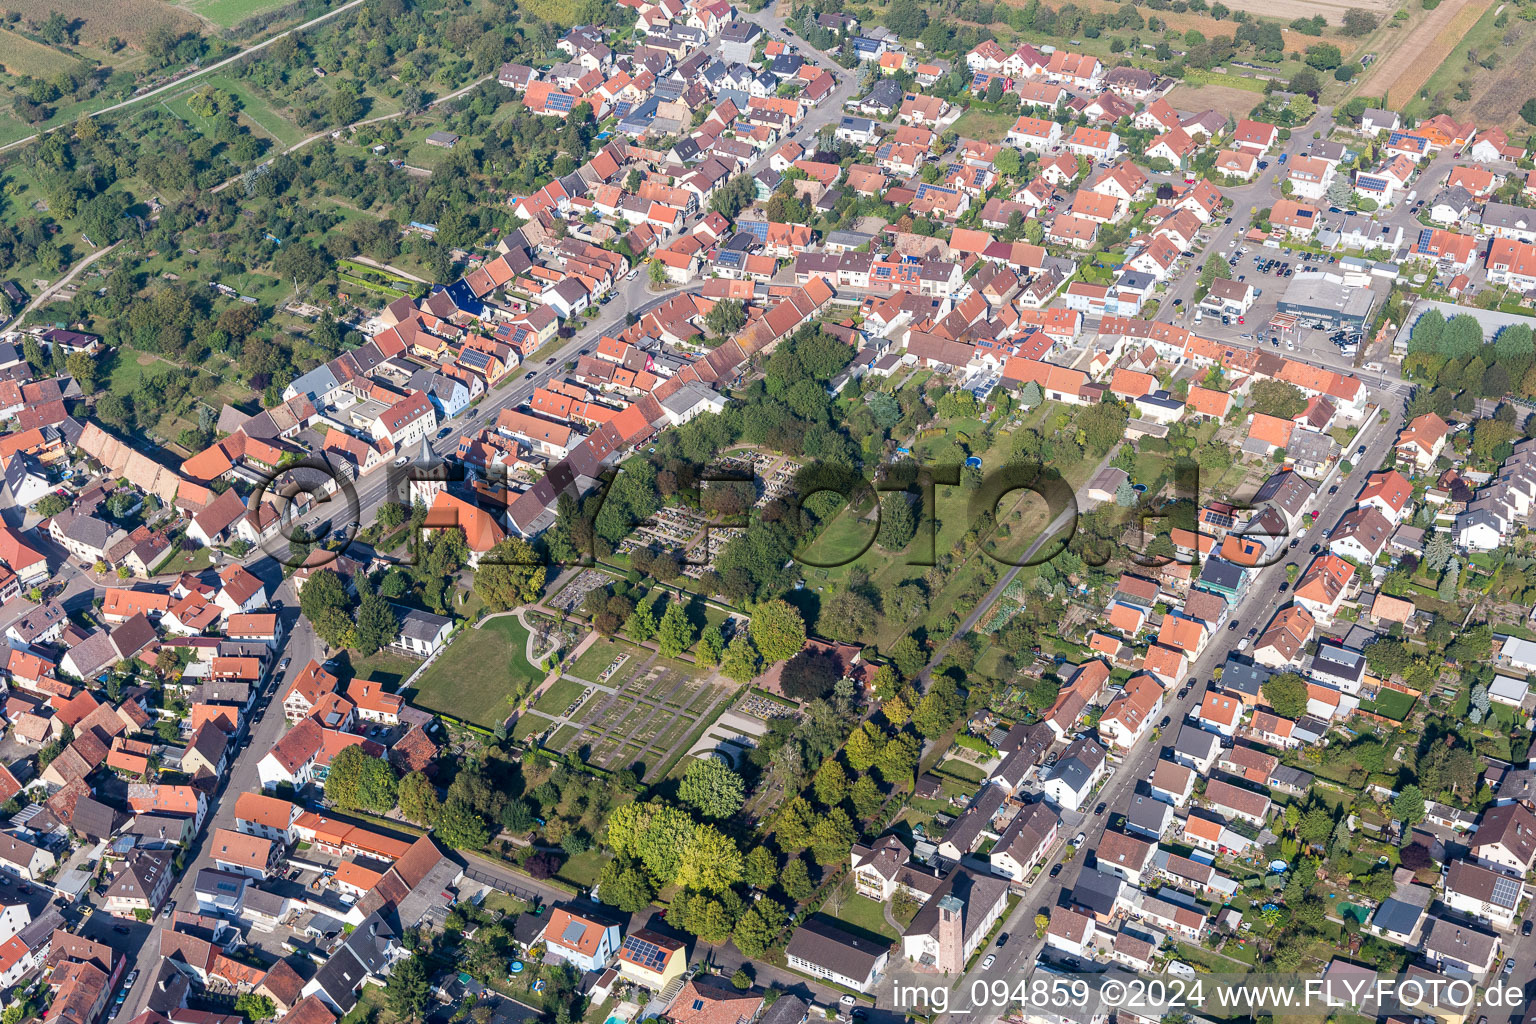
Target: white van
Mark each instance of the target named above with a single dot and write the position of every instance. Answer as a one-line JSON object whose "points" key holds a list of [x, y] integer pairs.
{"points": [[1199, 314]]}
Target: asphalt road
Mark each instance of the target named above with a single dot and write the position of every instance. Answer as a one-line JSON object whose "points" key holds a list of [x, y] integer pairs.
{"points": [[262, 733]]}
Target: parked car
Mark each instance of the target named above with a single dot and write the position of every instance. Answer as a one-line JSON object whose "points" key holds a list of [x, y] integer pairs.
{"points": [[992, 959]]}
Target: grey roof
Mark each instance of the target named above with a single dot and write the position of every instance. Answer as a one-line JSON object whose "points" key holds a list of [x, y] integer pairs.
{"points": [[1097, 891], [1336, 660], [1148, 815], [224, 884], [1395, 915], [846, 239], [1078, 762], [786, 1009], [316, 382], [39, 620], [1327, 295], [1287, 491], [264, 902], [1242, 676], [886, 93], [1220, 573], [964, 830], [93, 654], [1195, 742], [1503, 215], [1309, 446], [819, 941], [420, 625]]}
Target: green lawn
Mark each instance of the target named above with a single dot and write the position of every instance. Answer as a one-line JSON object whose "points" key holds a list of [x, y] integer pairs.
{"points": [[861, 914], [529, 723], [188, 561], [583, 869], [559, 696], [1391, 704], [480, 675], [253, 108], [229, 13], [384, 667], [598, 657]]}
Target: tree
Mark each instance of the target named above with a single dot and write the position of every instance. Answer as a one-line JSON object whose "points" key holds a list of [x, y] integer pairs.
{"points": [[83, 368], [866, 798], [675, 634], [810, 675], [832, 836], [1359, 22], [898, 758], [50, 505], [711, 788], [864, 746], [1125, 494], [710, 862], [710, 646], [461, 827], [1448, 581], [898, 523], [657, 275], [418, 800], [1324, 56], [1277, 398], [741, 661], [255, 1007], [626, 886], [377, 626], [755, 932], [830, 783], [796, 881], [1438, 552], [1287, 694], [509, 575], [761, 868], [1528, 111], [323, 597], [407, 988], [357, 781], [908, 656], [726, 318], [641, 624], [1408, 808], [777, 630]]}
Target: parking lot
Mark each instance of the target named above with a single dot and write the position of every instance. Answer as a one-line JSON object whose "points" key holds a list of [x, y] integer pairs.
{"points": [[1270, 272]]}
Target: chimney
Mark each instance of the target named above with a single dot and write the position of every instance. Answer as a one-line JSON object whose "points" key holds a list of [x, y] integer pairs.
{"points": [[951, 935]]}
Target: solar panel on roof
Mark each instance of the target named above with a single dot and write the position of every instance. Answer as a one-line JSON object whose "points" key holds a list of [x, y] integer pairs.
{"points": [[644, 953], [1506, 891]]}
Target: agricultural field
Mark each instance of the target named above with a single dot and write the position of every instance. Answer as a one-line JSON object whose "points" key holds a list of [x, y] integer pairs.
{"points": [[1400, 75], [102, 20], [1464, 85], [21, 56], [1234, 101], [229, 13]]}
